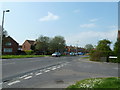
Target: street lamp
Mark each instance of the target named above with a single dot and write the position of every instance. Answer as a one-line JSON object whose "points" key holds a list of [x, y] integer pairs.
{"points": [[3, 17], [2, 30], [77, 46]]}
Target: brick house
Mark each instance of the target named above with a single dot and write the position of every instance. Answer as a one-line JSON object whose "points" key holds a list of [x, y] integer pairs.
{"points": [[9, 46], [74, 49], [27, 45]]}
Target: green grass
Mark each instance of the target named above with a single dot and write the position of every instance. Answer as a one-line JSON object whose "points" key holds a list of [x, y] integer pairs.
{"points": [[110, 82], [21, 56], [85, 57]]}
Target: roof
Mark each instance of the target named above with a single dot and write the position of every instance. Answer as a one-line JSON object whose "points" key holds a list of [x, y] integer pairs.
{"points": [[6, 38], [31, 41]]}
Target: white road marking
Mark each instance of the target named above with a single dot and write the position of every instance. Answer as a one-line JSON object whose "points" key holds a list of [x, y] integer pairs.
{"points": [[28, 77], [58, 67], [17, 81], [1, 83], [23, 76], [8, 63], [47, 70], [38, 74], [53, 68]]}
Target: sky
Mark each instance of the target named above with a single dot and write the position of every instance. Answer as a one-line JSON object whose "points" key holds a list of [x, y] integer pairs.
{"points": [[80, 23]]}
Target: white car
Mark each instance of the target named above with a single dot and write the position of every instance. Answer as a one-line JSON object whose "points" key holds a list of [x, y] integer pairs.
{"points": [[56, 54]]}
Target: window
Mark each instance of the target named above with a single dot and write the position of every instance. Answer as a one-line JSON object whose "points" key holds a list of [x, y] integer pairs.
{"points": [[8, 43], [7, 49]]}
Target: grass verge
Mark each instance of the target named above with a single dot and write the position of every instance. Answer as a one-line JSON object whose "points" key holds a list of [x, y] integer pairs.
{"points": [[22, 56], [110, 82]]}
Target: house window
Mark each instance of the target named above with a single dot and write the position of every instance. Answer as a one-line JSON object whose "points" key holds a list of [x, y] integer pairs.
{"points": [[8, 44], [7, 49]]}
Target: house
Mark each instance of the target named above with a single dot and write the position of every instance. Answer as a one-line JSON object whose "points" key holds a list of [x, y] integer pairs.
{"points": [[74, 49], [9, 46], [27, 45]]}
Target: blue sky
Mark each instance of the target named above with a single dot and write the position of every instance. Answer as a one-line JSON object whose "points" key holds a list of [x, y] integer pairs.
{"points": [[79, 22]]}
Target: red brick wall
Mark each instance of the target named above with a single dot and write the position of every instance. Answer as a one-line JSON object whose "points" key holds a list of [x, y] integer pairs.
{"points": [[14, 45], [26, 46]]}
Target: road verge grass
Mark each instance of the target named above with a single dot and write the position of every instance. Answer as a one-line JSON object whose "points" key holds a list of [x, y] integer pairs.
{"points": [[22, 56], [110, 82]]}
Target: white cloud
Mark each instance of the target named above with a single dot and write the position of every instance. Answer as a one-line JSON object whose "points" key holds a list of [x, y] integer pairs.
{"points": [[94, 20], [90, 25], [91, 37], [49, 17], [76, 11]]}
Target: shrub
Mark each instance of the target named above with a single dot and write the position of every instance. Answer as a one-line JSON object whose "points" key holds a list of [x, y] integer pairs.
{"points": [[29, 52], [96, 55]]}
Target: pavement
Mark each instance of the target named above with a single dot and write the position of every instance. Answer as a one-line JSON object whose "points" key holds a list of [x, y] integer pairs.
{"points": [[53, 72]]}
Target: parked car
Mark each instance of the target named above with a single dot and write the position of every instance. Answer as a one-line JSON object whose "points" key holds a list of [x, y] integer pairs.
{"points": [[72, 54], [80, 53], [56, 54]]}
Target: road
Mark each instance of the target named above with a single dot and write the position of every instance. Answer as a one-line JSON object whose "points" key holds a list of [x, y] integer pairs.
{"points": [[52, 72]]}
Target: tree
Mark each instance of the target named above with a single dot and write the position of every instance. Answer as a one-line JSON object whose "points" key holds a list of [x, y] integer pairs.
{"points": [[117, 48], [4, 32], [103, 45], [89, 47], [102, 50], [57, 44], [42, 44]]}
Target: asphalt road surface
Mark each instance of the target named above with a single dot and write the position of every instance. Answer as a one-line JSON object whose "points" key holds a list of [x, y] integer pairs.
{"points": [[52, 72]]}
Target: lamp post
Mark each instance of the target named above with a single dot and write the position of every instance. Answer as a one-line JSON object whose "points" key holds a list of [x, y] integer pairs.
{"points": [[2, 29], [77, 46]]}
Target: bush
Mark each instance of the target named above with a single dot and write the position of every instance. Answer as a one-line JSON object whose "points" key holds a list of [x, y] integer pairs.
{"points": [[96, 55], [29, 52]]}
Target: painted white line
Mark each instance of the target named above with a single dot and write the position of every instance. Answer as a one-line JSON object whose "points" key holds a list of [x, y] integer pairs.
{"points": [[47, 70], [28, 77], [17, 81], [23, 76], [58, 67], [38, 74], [1, 83], [53, 68], [8, 63]]}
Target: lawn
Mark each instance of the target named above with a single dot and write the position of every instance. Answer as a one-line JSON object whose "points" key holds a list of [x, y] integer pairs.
{"points": [[110, 82], [22, 56]]}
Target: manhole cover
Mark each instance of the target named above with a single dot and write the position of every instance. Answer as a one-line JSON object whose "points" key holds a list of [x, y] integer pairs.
{"points": [[59, 81]]}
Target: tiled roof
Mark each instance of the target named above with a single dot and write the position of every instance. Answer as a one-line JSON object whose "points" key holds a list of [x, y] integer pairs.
{"points": [[31, 42]]}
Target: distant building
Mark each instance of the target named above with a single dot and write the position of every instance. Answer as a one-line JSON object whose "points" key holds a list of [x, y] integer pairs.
{"points": [[9, 46], [74, 49], [27, 45], [20, 47]]}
